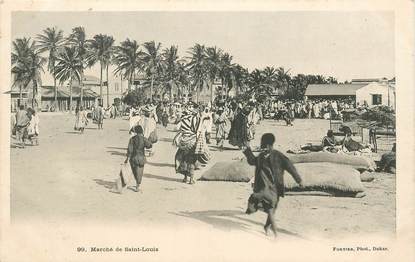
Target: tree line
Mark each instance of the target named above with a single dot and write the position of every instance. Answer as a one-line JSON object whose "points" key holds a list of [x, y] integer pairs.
{"points": [[67, 58]]}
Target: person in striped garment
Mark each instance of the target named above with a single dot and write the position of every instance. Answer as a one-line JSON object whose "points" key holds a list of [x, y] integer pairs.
{"points": [[185, 140]]}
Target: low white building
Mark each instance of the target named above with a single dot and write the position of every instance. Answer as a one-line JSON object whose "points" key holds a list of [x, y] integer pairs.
{"points": [[376, 94], [372, 94]]}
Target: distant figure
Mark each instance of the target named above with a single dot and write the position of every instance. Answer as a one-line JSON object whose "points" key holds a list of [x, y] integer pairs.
{"points": [[149, 125], [81, 120], [221, 127], [113, 111], [329, 139], [207, 121], [239, 132], [329, 143], [269, 180], [33, 129], [99, 116], [22, 123], [136, 155], [165, 116]]}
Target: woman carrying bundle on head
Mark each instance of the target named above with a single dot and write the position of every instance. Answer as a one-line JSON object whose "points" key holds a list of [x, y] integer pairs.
{"points": [[185, 140]]}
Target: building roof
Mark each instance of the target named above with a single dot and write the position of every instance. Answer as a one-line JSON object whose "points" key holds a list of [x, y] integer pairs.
{"points": [[63, 91], [88, 80], [333, 89]]}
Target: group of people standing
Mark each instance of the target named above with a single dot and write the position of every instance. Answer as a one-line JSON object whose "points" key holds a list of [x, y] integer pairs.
{"points": [[317, 108], [25, 126], [81, 117]]}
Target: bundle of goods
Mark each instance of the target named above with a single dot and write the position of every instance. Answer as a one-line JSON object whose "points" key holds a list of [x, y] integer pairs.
{"points": [[204, 158], [359, 163], [235, 171], [334, 179], [186, 137], [338, 180]]}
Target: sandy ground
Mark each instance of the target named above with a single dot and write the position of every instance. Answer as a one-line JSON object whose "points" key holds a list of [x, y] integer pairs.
{"points": [[68, 177]]}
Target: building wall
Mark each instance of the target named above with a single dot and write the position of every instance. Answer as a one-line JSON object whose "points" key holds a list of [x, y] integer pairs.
{"points": [[365, 94], [116, 90]]}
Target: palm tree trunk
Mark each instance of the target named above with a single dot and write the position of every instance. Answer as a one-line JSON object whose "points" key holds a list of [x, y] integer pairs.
{"points": [[151, 88], [108, 89], [130, 81], [211, 92], [81, 85], [33, 94], [100, 85], [70, 95], [20, 95], [222, 84], [55, 88], [197, 94], [121, 84]]}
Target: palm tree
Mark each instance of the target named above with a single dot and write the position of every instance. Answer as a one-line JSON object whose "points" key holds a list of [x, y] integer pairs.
{"points": [[127, 60], [283, 79], [21, 50], [100, 50], [226, 72], [213, 58], [152, 62], [78, 40], [183, 78], [50, 41], [173, 69], [27, 66], [259, 87], [197, 68], [240, 78], [69, 67]]}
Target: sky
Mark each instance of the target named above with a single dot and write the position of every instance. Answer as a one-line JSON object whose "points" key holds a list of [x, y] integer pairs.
{"points": [[345, 45]]}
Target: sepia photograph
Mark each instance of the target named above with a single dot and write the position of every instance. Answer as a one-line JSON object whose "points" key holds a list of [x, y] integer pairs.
{"points": [[276, 125]]}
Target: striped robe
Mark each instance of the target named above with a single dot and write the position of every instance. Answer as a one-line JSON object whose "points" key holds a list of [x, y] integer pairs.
{"points": [[186, 137]]}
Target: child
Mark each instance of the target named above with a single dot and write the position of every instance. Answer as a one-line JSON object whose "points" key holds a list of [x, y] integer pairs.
{"points": [[269, 180], [136, 155]]}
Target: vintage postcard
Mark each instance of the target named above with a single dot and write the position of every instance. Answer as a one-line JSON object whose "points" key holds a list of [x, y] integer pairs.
{"points": [[196, 131]]}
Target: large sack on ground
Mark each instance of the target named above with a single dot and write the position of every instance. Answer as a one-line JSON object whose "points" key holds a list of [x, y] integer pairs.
{"points": [[340, 180], [357, 162], [235, 171]]}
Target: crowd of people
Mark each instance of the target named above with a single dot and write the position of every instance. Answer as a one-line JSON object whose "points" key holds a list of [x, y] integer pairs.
{"points": [[312, 108], [232, 120]]}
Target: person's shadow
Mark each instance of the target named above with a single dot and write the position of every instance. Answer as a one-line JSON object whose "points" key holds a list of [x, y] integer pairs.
{"points": [[104, 183], [160, 164], [117, 153], [228, 220], [165, 178]]}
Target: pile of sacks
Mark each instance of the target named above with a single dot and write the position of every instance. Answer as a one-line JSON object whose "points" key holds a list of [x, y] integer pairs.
{"points": [[339, 175]]}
